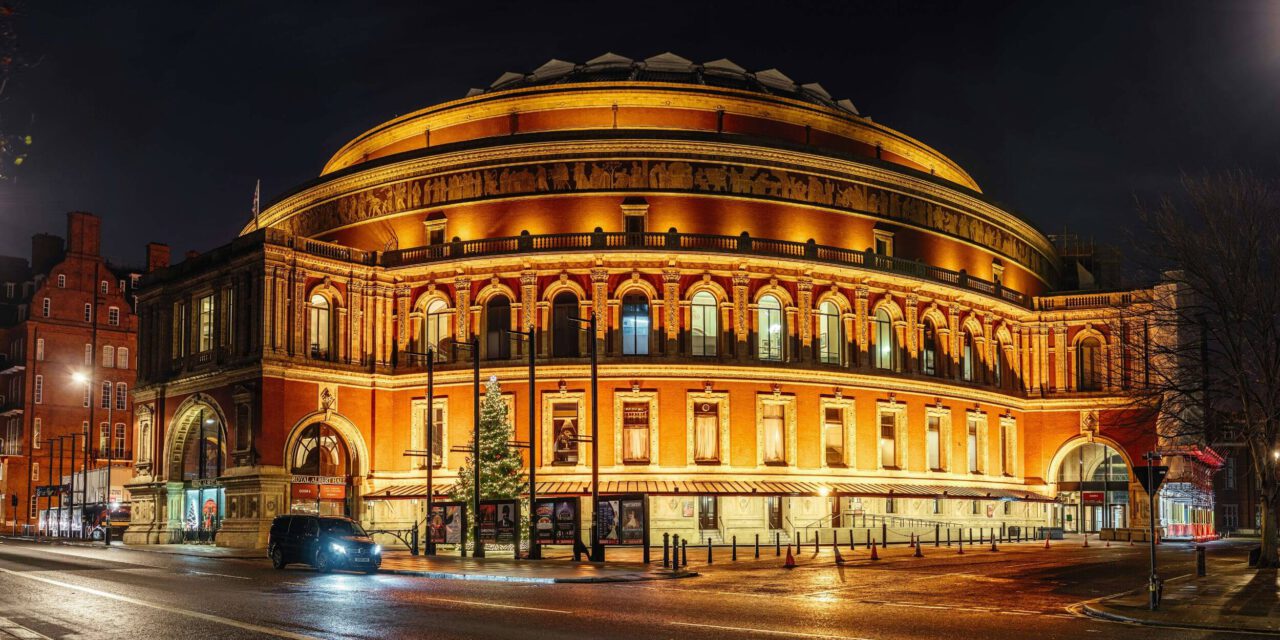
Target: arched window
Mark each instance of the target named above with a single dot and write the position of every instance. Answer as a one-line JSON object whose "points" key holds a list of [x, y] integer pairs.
{"points": [[1089, 365], [770, 329], [320, 452], [204, 455], [929, 350], [704, 324], [635, 325], [318, 313], [437, 326], [564, 331], [886, 344], [967, 360], [497, 321], [122, 358], [998, 371], [829, 334]]}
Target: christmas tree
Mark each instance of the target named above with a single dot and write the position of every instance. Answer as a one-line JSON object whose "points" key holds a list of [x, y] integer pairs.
{"points": [[501, 469]]}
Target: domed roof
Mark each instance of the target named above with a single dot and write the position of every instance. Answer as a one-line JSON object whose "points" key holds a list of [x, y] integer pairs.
{"points": [[668, 67]]}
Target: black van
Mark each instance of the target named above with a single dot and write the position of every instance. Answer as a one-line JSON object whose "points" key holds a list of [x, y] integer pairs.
{"points": [[324, 542]]}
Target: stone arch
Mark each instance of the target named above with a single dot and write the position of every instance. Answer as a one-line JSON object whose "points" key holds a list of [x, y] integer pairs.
{"points": [[1086, 332], [550, 292], [356, 444], [973, 325], [186, 419], [495, 289], [887, 303], [777, 291], [326, 289], [636, 283], [709, 286], [1071, 444], [834, 295], [425, 298]]}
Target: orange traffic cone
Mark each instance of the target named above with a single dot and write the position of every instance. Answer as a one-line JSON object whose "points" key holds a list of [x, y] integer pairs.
{"points": [[839, 558], [791, 560], [1046, 539], [874, 554], [993, 544], [918, 554], [1108, 544], [1086, 541]]}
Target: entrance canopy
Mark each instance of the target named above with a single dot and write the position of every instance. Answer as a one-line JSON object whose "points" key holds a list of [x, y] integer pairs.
{"points": [[740, 488]]}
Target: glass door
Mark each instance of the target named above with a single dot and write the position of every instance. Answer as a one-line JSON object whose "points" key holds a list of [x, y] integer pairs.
{"points": [[707, 512]]}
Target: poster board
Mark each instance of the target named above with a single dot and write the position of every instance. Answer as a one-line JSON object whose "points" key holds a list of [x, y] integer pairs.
{"points": [[499, 522], [447, 523], [557, 520], [623, 520]]}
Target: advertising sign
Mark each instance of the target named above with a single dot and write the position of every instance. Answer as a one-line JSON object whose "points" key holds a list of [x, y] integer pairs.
{"points": [[447, 522], [333, 492], [622, 520], [556, 520], [1091, 497], [304, 491], [499, 521]]}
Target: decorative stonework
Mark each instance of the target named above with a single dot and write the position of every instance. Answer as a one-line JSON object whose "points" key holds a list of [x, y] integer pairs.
{"points": [[671, 302]]}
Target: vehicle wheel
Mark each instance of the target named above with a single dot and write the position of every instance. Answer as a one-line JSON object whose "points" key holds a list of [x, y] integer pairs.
{"points": [[323, 563], [277, 558]]}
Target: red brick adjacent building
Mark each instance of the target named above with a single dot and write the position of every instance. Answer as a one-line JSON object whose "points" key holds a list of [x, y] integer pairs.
{"points": [[68, 356]]}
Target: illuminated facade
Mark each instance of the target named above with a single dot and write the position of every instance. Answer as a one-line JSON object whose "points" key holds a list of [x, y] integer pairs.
{"points": [[806, 319]]}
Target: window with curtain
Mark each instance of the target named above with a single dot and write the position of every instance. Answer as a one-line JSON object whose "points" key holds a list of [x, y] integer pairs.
{"points": [[706, 432], [205, 320], [635, 432], [564, 331], [704, 329], [833, 428], [108, 356], [118, 445], [888, 440], [122, 358], [929, 350], [829, 334], [318, 311], [972, 446], [104, 397], [1088, 365], [774, 422], [122, 395], [886, 344], [933, 442], [564, 419], [437, 326], [635, 325], [966, 356], [497, 321], [437, 435], [769, 321]]}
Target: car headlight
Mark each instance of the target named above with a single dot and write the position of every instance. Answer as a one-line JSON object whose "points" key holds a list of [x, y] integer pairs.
{"points": [[337, 548], [377, 549]]}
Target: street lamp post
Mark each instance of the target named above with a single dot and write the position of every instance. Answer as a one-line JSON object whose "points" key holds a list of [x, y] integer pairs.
{"points": [[429, 454], [535, 549], [1153, 582], [474, 347], [88, 380], [597, 549]]}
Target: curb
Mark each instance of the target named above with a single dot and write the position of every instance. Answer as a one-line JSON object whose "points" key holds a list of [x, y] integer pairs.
{"points": [[481, 577], [1092, 612]]}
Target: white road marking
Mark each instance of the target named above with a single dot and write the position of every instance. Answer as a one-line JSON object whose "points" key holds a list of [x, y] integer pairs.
{"points": [[793, 634], [476, 603], [16, 630], [224, 575], [247, 626]]}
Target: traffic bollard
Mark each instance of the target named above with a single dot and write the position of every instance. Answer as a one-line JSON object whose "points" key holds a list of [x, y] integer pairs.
{"points": [[852, 545], [734, 557], [684, 553], [709, 559], [948, 537], [815, 540], [666, 552], [1201, 569], [757, 546], [884, 535], [937, 535], [777, 543]]}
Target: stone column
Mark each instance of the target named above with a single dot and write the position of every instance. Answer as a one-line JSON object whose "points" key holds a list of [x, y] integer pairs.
{"points": [[741, 314], [860, 321], [1060, 357], [671, 309], [804, 318]]}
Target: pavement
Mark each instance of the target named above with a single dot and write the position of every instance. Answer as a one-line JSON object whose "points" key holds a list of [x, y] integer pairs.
{"points": [[1237, 598], [1020, 591]]}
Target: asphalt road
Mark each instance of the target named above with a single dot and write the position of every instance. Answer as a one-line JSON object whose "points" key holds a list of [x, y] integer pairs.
{"points": [[1020, 592]]}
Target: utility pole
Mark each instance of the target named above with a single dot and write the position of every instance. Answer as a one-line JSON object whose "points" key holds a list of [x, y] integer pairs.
{"points": [[535, 549], [597, 549], [474, 347]]}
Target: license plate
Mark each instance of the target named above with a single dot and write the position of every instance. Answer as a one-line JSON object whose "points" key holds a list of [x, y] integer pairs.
{"points": [[362, 559]]}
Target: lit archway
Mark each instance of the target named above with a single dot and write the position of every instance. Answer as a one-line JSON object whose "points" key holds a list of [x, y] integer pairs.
{"points": [[1092, 478]]}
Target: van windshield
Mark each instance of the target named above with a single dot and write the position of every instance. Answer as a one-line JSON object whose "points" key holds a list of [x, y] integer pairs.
{"points": [[337, 527]]}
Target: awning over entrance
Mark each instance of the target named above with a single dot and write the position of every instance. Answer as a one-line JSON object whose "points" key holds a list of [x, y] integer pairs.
{"points": [[740, 488]]}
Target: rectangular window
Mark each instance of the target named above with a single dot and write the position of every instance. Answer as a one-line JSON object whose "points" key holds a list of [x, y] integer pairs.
{"points": [[45, 306], [437, 435], [88, 312], [122, 358], [104, 399], [635, 432], [706, 432], [104, 430], [113, 316], [972, 444], [888, 440], [180, 329], [883, 243], [205, 321], [933, 442], [833, 426], [1230, 517], [975, 508], [1229, 474], [122, 395], [774, 422], [39, 348], [62, 281], [702, 320], [1006, 449], [937, 506], [104, 287], [119, 441], [890, 505], [35, 433], [88, 355], [564, 418], [38, 392], [35, 475], [87, 394], [108, 356]]}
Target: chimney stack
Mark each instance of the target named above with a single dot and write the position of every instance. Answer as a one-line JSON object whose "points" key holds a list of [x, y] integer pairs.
{"points": [[157, 256], [84, 233]]}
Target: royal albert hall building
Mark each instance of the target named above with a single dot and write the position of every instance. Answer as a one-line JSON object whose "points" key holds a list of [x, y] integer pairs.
{"points": [[807, 320]]}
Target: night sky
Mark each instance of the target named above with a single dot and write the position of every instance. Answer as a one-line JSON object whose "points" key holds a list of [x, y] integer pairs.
{"points": [[159, 116]]}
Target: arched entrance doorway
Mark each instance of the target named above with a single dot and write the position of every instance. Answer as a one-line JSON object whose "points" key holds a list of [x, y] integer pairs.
{"points": [[202, 451], [321, 464], [1092, 480]]}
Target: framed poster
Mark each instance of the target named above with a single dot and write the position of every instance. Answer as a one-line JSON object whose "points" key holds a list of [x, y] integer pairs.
{"points": [[556, 520], [500, 522], [622, 520], [447, 522]]}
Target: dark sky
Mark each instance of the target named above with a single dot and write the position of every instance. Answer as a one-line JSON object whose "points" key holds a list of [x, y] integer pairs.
{"points": [[159, 116]]}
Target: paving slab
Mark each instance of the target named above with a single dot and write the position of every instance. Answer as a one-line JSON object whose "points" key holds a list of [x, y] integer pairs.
{"points": [[1235, 599]]}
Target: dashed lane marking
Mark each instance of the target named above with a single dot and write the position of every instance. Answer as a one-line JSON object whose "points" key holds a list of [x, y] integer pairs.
{"points": [[792, 634], [9, 628], [476, 603], [247, 626], [221, 575]]}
